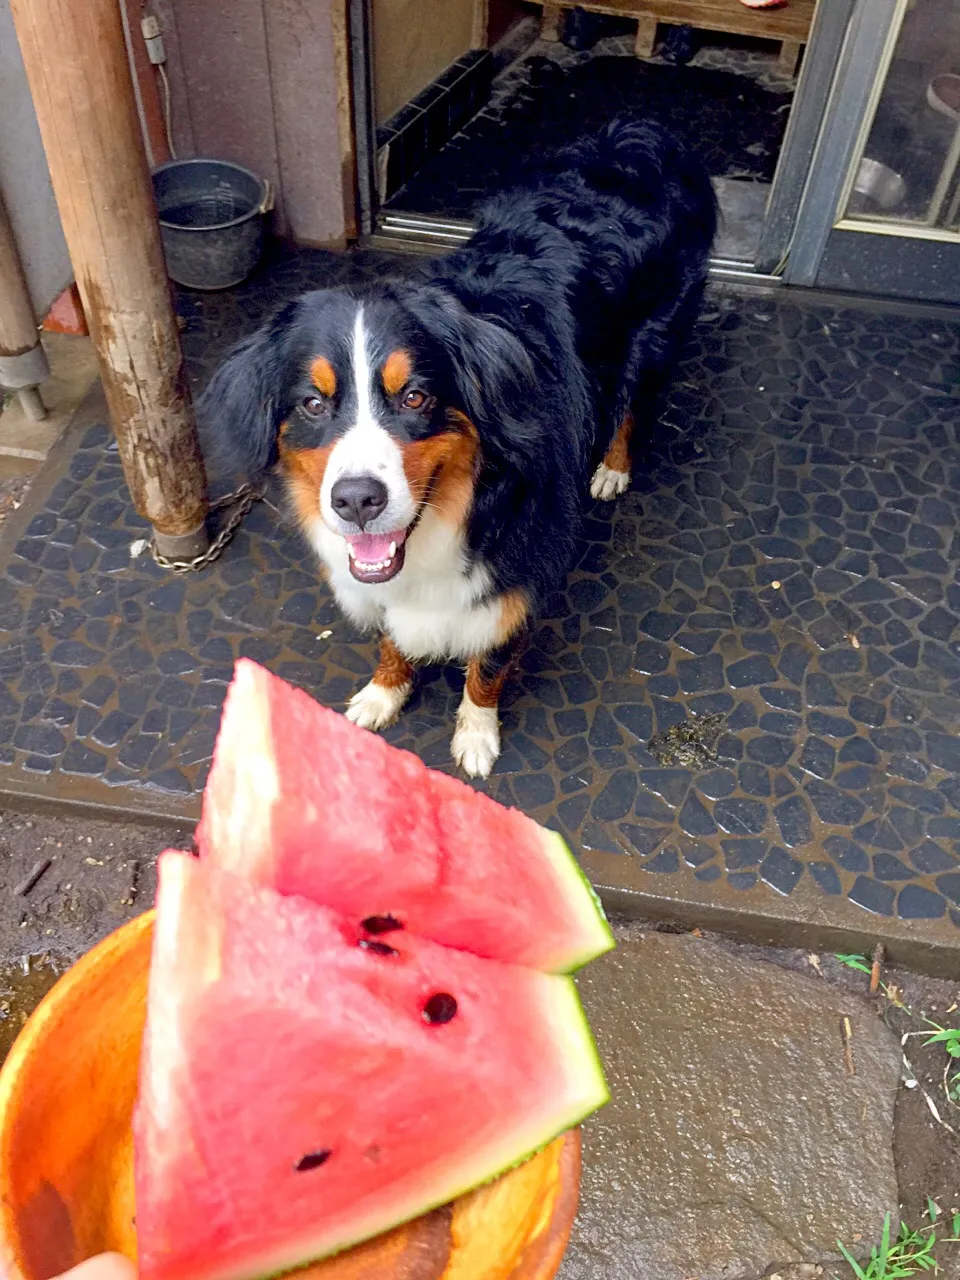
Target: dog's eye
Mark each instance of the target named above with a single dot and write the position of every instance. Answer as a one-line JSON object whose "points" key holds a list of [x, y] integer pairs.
{"points": [[314, 406], [414, 400]]}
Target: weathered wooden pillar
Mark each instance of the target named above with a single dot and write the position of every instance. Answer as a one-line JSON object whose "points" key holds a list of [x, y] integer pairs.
{"points": [[76, 63], [23, 362]]}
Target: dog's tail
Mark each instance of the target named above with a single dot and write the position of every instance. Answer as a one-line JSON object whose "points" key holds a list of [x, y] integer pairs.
{"points": [[642, 163]]}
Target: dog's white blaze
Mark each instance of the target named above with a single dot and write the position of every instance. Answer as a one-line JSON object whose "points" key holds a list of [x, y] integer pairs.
{"points": [[360, 359], [367, 449]]}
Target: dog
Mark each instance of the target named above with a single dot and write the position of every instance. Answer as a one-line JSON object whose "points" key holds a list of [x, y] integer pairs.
{"points": [[438, 434]]}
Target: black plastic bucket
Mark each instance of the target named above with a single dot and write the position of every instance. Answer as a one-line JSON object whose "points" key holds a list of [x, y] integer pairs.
{"points": [[211, 221]]}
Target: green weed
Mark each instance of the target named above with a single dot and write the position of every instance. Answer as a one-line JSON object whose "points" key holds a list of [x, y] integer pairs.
{"points": [[949, 1037], [893, 1260], [910, 1252]]}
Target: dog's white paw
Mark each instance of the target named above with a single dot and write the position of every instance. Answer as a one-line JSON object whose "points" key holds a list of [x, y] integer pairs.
{"points": [[375, 706], [476, 742], [607, 484]]}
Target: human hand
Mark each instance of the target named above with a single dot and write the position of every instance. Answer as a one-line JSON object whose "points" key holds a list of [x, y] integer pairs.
{"points": [[106, 1266]]}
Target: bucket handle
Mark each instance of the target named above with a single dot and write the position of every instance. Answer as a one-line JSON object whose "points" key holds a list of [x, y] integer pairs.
{"points": [[266, 204]]}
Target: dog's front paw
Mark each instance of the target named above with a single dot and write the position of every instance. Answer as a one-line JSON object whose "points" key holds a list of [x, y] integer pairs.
{"points": [[476, 742], [608, 484], [375, 706]]}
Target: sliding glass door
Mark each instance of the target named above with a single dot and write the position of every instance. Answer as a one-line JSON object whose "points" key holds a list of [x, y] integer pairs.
{"points": [[881, 208]]}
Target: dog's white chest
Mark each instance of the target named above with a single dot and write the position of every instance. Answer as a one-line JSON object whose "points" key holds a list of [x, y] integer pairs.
{"points": [[434, 608]]}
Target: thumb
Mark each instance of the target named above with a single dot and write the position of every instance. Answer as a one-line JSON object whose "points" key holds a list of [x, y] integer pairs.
{"points": [[107, 1266]]}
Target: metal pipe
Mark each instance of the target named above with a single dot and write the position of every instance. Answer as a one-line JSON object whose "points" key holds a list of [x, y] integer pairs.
{"points": [[23, 362], [31, 402]]}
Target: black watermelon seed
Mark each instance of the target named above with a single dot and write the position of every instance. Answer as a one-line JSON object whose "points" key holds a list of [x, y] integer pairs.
{"points": [[439, 1008], [381, 924], [312, 1160], [378, 948]]}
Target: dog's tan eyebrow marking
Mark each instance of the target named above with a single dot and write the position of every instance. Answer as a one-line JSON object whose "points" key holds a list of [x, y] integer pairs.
{"points": [[396, 373], [324, 378]]}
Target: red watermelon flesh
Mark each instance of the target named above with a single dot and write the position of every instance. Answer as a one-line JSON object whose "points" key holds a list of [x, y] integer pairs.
{"points": [[303, 801], [296, 1097]]}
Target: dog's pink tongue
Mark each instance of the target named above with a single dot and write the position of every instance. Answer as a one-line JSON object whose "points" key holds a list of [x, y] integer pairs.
{"points": [[371, 548]]}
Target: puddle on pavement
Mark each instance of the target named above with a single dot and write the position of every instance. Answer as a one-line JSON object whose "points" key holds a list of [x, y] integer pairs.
{"points": [[23, 983]]}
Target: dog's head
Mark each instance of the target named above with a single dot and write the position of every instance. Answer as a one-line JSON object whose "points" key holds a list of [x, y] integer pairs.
{"points": [[376, 406]]}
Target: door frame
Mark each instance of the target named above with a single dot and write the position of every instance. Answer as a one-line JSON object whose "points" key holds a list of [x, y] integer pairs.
{"points": [[790, 194], [364, 120], [867, 45], [818, 75]]}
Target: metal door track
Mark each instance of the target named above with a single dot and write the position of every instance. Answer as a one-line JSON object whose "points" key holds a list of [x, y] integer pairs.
{"points": [[421, 233]]}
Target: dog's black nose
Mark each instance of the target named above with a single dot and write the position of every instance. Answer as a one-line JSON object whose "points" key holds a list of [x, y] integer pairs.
{"points": [[359, 499]]}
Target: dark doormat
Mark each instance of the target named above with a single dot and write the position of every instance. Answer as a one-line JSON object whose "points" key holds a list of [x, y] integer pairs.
{"points": [[735, 125]]}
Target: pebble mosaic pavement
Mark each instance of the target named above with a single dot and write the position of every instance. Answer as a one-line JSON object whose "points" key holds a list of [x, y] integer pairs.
{"points": [[786, 558]]}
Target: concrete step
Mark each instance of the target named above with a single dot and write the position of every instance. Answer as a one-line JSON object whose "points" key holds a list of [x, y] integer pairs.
{"points": [[736, 1142]]}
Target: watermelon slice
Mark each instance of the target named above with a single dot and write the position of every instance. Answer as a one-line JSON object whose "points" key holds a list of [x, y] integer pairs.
{"points": [[301, 800], [304, 1088]]}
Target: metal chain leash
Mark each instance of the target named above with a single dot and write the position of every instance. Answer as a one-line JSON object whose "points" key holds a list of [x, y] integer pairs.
{"points": [[244, 497]]}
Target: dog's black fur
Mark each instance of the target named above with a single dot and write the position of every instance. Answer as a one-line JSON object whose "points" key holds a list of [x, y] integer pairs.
{"points": [[566, 309]]}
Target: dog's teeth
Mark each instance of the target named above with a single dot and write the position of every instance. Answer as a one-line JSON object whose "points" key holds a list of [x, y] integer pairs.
{"points": [[374, 566], [350, 552]]}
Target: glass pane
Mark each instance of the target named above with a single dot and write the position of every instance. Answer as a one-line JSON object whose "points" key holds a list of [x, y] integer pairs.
{"points": [[908, 170]]}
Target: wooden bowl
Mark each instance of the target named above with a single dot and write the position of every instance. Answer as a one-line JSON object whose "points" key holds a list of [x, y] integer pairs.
{"points": [[67, 1092]]}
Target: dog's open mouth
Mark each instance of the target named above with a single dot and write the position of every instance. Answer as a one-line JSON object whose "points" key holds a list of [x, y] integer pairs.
{"points": [[376, 557]]}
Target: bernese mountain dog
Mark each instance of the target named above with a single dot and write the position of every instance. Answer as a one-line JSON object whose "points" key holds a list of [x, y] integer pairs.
{"points": [[438, 434]]}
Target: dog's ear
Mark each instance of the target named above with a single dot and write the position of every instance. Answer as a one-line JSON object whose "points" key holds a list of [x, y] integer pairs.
{"points": [[239, 410], [495, 374], [530, 416]]}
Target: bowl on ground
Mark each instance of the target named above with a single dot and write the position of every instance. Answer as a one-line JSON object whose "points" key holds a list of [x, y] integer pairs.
{"points": [[879, 185], [943, 94], [67, 1094]]}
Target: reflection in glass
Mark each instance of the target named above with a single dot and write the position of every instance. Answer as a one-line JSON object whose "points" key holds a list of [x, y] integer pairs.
{"points": [[909, 167]]}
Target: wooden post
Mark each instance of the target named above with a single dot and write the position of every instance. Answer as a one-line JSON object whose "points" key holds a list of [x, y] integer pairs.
{"points": [[646, 39], [480, 35], [76, 63], [550, 20], [789, 57], [346, 131], [23, 362]]}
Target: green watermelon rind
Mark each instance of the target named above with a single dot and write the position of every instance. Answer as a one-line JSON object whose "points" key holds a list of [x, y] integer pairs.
{"points": [[573, 1019], [582, 896]]}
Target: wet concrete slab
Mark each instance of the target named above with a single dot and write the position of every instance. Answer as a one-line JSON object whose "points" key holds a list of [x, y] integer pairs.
{"points": [[65, 883], [786, 561], [737, 1142]]}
